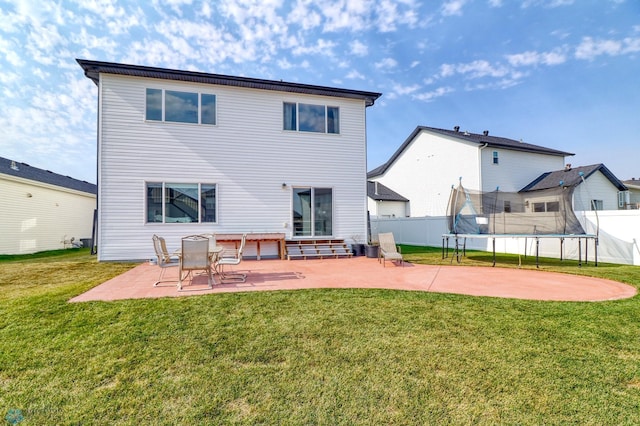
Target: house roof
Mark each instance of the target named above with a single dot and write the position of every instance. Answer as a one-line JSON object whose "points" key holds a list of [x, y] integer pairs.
{"points": [[25, 171], [479, 139], [379, 192], [570, 177], [633, 183], [92, 70]]}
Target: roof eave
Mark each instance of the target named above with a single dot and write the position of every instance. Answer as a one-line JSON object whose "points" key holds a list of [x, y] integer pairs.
{"points": [[93, 69]]}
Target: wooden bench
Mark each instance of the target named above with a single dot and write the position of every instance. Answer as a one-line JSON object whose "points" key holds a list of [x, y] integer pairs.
{"points": [[256, 238]]}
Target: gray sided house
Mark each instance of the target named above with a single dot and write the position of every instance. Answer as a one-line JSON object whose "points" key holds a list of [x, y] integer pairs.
{"points": [[633, 185], [594, 187], [182, 152], [42, 210]]}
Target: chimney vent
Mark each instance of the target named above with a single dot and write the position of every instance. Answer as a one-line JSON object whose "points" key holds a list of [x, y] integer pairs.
{"points": [[456, 128], [486, 133]]}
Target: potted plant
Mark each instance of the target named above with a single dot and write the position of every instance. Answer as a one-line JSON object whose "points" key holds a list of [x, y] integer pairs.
{"points": [[372, 249]]}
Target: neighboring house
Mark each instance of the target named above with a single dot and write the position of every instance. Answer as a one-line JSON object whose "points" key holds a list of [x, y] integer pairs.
{"points": [[595, 187], [431, 161], [183, 152], [383, 202], [42, 210], [633, 185]]}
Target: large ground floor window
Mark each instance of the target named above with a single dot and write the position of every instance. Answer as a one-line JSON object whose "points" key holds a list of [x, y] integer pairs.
{"points": [[180, 202], [312, 212]]}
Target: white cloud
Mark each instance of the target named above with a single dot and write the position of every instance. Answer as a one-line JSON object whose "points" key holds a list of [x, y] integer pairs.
{"points": [[452, 7], [429, 96], [354, 74], [475, 69], [102, 8], [322, 47], [589, 48], [91, 42], [303, 15], [358, 48], [495, 3], [402, 89], [536, 58], [386, 63]]}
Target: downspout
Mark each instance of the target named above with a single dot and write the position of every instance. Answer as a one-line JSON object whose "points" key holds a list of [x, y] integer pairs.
{"points": [[480, 165]]}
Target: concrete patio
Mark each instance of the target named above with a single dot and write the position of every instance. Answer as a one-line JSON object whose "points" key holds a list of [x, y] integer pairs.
{"points": [[362, 272]]}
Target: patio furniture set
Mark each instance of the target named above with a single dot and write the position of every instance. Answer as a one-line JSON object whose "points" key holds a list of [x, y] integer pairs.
{"points": [[199, 253], [203, 253]]}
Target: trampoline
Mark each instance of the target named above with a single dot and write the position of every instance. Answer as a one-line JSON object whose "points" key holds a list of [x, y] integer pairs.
{"points": [[527, 214]]}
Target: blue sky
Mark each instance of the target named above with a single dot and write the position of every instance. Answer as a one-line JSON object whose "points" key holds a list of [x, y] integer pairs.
{"points": [[559, 73]]}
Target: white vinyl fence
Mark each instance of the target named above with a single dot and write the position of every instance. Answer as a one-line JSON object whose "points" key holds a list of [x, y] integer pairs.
{"points": [[618, 236]]}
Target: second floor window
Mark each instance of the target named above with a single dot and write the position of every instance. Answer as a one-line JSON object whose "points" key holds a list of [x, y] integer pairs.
{"points": [[180, 107], [311, 118], [495, 157]]}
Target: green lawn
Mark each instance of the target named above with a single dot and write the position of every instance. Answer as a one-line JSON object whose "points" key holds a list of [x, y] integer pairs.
{"points": [[312, 356]]}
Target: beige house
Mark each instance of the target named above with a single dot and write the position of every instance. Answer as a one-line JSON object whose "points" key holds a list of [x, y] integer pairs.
{"points": [[42, 210], [633, 185]]}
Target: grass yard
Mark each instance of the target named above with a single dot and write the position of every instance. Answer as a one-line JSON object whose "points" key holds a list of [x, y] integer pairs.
{"points": [[325, 357]]}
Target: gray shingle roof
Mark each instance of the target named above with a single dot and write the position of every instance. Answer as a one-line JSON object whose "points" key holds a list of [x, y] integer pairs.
{"points": [[382, 193], [570, 177], [25, 171], [92, 70], [479, 139]]}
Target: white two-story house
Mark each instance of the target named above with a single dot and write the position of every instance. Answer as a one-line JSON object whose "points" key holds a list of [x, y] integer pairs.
{"points": [[431, 161], [183, 153]]}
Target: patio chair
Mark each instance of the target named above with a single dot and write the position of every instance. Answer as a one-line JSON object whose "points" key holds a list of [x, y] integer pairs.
{"points": [[231, 258], [195, 257], [165, 260], [388, 249]]}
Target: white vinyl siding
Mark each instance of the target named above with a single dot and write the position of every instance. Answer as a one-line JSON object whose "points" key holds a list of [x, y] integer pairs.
{"points": [[247, 154], [427, 168], [432, 163], [595, 187], [517, 169], [38, 216]]}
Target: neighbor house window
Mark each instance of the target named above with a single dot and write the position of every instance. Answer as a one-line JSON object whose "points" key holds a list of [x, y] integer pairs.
{"points": [[548, 206], [495, 157], [181, 202], [312, 212], [311, 118], [180, 107], [507, 206], [597, 205]]}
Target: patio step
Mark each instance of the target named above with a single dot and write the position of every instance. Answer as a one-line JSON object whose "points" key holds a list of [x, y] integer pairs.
{"points": [[317, 249]]}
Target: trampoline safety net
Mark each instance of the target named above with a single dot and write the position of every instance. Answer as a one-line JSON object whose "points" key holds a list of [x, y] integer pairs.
{"points": [[542, 212]]}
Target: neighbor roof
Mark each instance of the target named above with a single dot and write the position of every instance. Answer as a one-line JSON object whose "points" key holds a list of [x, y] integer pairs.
{"points": [[479, 139], [379, 192], [93, 69], [570, 177], [25, 171], [633, 182]]}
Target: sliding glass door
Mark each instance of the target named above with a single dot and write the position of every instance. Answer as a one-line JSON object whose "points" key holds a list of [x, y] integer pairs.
{"points": [[312, 212]]}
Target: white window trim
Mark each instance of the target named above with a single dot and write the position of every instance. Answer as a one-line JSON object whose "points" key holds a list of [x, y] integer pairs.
{"points": [[326, 118], [163, 113]]}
